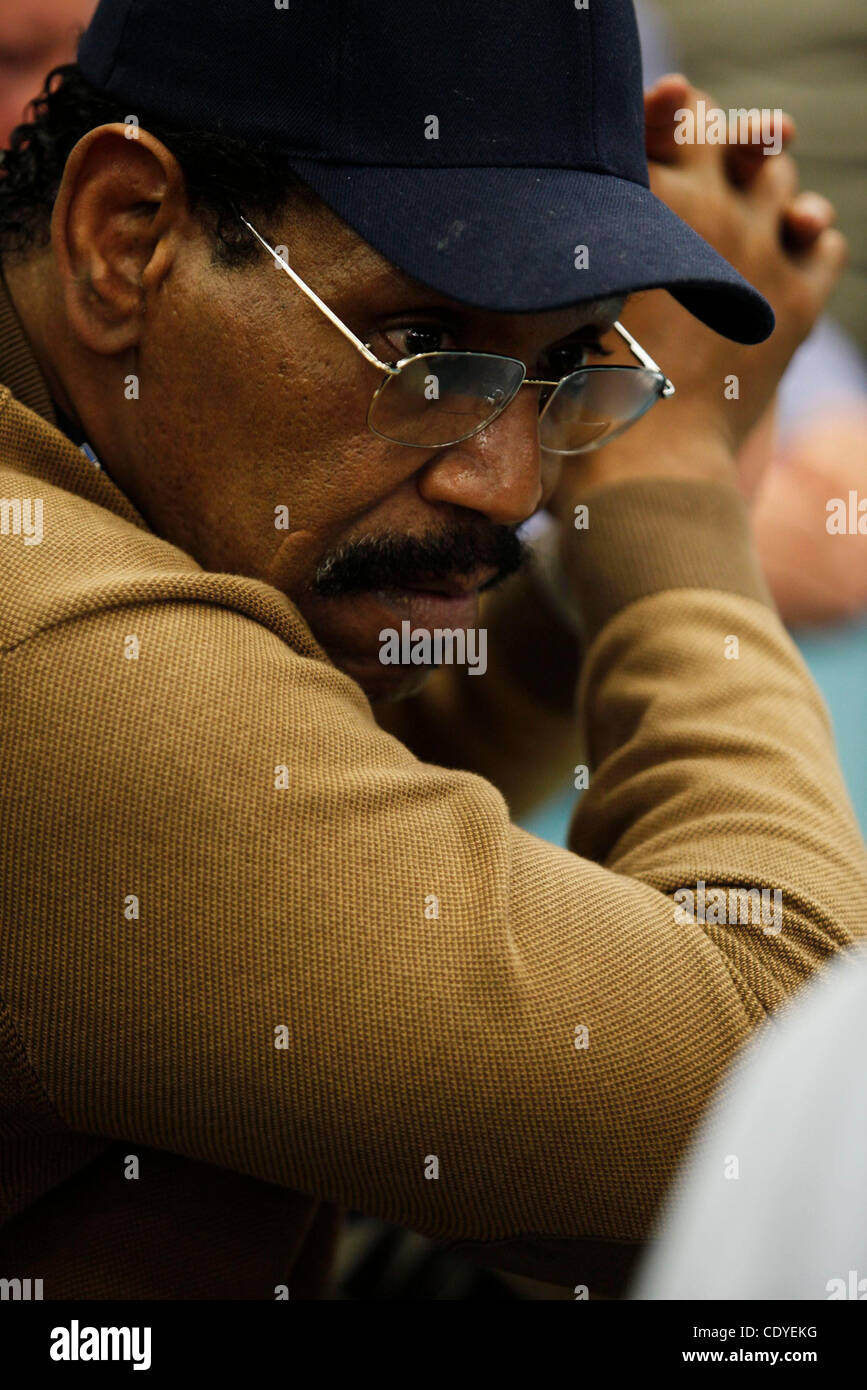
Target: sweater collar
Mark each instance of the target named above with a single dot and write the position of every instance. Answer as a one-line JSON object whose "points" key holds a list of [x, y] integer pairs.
{"points": [[19, 369], [48, 446]]}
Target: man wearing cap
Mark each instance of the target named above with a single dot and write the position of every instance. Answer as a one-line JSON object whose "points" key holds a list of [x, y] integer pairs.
{"points": [[305, 312]]}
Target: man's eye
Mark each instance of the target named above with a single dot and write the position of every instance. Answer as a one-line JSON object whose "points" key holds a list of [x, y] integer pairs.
{"points": [[418, 337], [560, 361]]}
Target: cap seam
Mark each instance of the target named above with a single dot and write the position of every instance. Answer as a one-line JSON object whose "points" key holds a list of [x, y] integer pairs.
{"points": [[590, 55], [345, 82], [120, 38]]}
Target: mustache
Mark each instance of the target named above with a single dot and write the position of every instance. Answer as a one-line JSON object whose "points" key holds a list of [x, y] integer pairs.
{"points": [[393, 561]]}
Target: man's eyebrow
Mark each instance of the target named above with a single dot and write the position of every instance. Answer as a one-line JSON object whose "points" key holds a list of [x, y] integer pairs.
{"points": [[603, 310], [597, 316], [401, 295], [411, 297]]}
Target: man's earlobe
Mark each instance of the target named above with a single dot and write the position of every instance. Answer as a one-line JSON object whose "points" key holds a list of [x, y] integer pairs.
{"points": [[111, 230]]}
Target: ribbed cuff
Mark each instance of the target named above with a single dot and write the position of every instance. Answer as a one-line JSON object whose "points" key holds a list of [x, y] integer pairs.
{"points": [[653, 534]]}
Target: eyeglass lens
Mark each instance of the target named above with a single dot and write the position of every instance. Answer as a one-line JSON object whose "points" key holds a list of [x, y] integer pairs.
{"points": [[442, 398]]}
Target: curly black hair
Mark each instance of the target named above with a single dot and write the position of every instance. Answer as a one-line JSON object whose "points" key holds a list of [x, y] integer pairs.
{"points": [[222, 173]]}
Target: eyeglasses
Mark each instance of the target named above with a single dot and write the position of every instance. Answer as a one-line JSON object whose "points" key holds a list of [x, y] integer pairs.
{"points": [[434, 399]]}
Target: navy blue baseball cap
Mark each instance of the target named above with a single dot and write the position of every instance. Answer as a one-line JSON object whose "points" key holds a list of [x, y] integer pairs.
{"points": [[477, 146]]}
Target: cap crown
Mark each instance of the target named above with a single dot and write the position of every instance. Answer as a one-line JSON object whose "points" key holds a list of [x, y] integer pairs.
{"points": [[537, 83]]}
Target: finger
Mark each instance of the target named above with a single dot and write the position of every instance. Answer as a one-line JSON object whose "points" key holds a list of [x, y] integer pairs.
{"points": [[822, 264], [746, 149], [662, 104], [661, 101], [775, 182], [701, 132], [804, 219]]}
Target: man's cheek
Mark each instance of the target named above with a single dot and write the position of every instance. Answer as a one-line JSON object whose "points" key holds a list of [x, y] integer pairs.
{"points": [[551, 472]]}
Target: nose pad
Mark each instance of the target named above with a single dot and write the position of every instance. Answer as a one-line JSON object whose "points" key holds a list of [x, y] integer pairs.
{"points": [[496, 396]]}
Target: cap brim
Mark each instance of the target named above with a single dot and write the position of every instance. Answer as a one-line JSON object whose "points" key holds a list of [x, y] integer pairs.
{"points": [[506, 239]]}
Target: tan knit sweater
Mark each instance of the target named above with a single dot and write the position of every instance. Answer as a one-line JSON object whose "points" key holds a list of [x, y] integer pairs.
{"points": [[367, 988]]}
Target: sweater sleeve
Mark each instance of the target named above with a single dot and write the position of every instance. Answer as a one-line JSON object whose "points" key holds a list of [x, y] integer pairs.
{"points": [[245, 924]]}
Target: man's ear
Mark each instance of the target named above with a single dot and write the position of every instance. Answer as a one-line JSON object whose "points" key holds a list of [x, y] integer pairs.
{"points": [[115, 229]]}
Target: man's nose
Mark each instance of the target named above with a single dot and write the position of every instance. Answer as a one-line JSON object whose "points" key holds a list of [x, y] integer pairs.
{"points": [[498, 471]]}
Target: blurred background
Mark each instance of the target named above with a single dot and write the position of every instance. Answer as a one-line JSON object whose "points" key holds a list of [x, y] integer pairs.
{"points": [[809, 60]]}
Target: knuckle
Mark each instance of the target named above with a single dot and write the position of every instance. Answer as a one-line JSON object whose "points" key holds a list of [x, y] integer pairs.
{"points": [[838, 247], [780, 174], [787, 167], [802, 301]]}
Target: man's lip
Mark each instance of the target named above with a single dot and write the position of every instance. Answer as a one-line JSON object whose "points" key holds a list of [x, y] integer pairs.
{"points": [[423, 608], [451, 588]]}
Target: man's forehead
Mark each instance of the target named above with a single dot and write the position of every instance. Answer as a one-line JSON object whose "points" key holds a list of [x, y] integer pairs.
{"points": [[355, 268], [388, 280], [382, 281]]}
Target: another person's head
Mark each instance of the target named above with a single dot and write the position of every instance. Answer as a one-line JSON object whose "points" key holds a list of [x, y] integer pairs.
{"points": [[35, 36]]}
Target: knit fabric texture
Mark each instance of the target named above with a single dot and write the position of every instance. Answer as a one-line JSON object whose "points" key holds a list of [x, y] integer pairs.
{"points": [[293, 956]]}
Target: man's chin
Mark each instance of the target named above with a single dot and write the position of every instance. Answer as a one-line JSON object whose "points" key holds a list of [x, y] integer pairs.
{"points": [[386, 684], [349, 627]]}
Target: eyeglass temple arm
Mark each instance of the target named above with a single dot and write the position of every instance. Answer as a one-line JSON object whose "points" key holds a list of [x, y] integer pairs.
{"points": [[644, 358], [311, 294]]}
